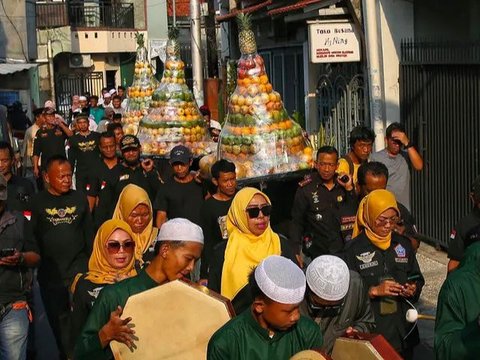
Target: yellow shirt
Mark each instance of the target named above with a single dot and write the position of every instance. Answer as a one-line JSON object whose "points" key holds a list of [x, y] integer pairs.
{"points": [[344, 168]]}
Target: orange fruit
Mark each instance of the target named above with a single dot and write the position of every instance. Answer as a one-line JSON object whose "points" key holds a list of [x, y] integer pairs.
{"points": [[308, 150], [245, 131], [282, 125], [272, 97], [268, 88], [237, 131], [264, 79]]}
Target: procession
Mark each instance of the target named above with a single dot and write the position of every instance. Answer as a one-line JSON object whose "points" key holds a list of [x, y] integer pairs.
{"points": [[156, 215]]}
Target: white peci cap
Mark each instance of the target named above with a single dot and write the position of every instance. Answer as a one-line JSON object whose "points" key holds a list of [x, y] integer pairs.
{"points": [[281, 280], [180, 229], [328, 277]]}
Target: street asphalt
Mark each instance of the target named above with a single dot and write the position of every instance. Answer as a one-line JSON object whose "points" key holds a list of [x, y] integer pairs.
{"points": [[433, 264]]}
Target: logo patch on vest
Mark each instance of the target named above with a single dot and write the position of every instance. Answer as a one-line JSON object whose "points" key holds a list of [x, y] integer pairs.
{"points": [[400, 250], [367, 258]]}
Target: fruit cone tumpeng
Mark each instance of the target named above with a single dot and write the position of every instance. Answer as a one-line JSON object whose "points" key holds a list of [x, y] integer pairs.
{"points": [[259, 136], [173, 117], [140, 92]]}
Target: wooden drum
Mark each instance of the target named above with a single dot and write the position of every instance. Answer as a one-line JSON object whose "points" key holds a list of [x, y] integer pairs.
{"points": [[173, 321], [365, 347]]}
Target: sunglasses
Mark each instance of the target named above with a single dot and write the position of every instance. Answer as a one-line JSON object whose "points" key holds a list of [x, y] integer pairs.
{"points": [[113, 247], [254, 212]]}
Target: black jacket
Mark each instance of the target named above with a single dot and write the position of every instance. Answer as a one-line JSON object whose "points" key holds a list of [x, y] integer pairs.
{"points": [[15, 281], [243, 299], [374, 265]]}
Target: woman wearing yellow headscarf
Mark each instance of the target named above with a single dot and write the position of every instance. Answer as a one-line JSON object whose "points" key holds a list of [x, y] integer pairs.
{"points": [[135, 208], [250, 240], [388, 266], [111, 261]]}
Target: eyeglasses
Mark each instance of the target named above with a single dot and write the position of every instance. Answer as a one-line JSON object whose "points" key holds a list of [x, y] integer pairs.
{"points": [[394, 220], [113, 247], [254, 212]]}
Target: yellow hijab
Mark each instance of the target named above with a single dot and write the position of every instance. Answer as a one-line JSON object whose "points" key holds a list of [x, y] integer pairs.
{"points": [[369, 210], [130, 197], [244, 250], [99, 270]]}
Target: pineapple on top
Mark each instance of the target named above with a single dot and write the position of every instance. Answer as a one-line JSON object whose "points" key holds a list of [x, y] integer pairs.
{"points": [[140, 92], [259, 136], [173, 117]]}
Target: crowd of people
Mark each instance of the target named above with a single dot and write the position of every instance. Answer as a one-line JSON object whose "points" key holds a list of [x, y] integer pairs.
{"points": [[100, 223]]}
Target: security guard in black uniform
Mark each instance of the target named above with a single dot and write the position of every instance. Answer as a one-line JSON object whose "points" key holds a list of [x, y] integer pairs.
{"points": [[315, 227], [465, 231], [133, 171], [388, 266]]}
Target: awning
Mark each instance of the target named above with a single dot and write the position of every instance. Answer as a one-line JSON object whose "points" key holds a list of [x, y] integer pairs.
{"points": [[6, 69], [247, 10]]}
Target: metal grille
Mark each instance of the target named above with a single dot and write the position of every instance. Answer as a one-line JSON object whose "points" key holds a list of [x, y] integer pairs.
{"points": [[439, 105], [85, 14], [341, 102], [76, 84]]}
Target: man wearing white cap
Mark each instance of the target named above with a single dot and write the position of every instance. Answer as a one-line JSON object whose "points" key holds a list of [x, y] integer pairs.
{"points": [[179, 245], [336, 299], [107, 100], [272, 328]]}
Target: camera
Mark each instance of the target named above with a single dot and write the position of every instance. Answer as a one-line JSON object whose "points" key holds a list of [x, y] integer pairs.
{"points": [[344, 178]]}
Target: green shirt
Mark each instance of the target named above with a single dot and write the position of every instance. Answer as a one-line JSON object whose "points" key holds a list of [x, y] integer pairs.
{"points": [[88, 344], [243, 338], [457, 332]]}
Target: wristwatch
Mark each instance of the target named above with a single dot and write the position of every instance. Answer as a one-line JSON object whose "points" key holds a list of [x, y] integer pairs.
{"points": [[409, 145]]}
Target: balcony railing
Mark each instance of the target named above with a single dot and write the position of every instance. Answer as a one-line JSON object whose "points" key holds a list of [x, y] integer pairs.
{"points": [[85, 15]]}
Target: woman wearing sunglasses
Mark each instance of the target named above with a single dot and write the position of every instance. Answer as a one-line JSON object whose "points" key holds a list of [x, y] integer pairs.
{"points": [[134, 207], [112, 260], [388, 266], [250, 240]]}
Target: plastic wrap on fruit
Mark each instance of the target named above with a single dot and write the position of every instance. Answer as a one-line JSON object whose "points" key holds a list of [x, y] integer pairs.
{"points": [[139, 94], [258, 135], [173, 117]]}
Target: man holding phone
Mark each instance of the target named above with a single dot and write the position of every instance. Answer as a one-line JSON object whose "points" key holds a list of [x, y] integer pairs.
{"points": [[16, 256], [397, 156]]}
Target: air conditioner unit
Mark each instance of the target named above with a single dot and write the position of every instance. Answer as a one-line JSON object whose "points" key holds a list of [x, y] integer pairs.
{"points": [[80, 61]]}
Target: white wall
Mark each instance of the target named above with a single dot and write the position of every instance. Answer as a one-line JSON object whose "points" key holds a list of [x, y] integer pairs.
{"points": [[397, 23]]}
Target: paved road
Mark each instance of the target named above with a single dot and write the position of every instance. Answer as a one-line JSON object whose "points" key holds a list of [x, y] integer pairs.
{"points": [[433, 264]]}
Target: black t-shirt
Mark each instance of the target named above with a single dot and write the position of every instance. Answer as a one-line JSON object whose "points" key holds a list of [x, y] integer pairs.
{"points": [[214, 226], [86, 292], [14, 280], [180, 200], [99, 181], [460, 237], [19, 193], [49, 142], [83, 151], [149, 181], [63, 229]]}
